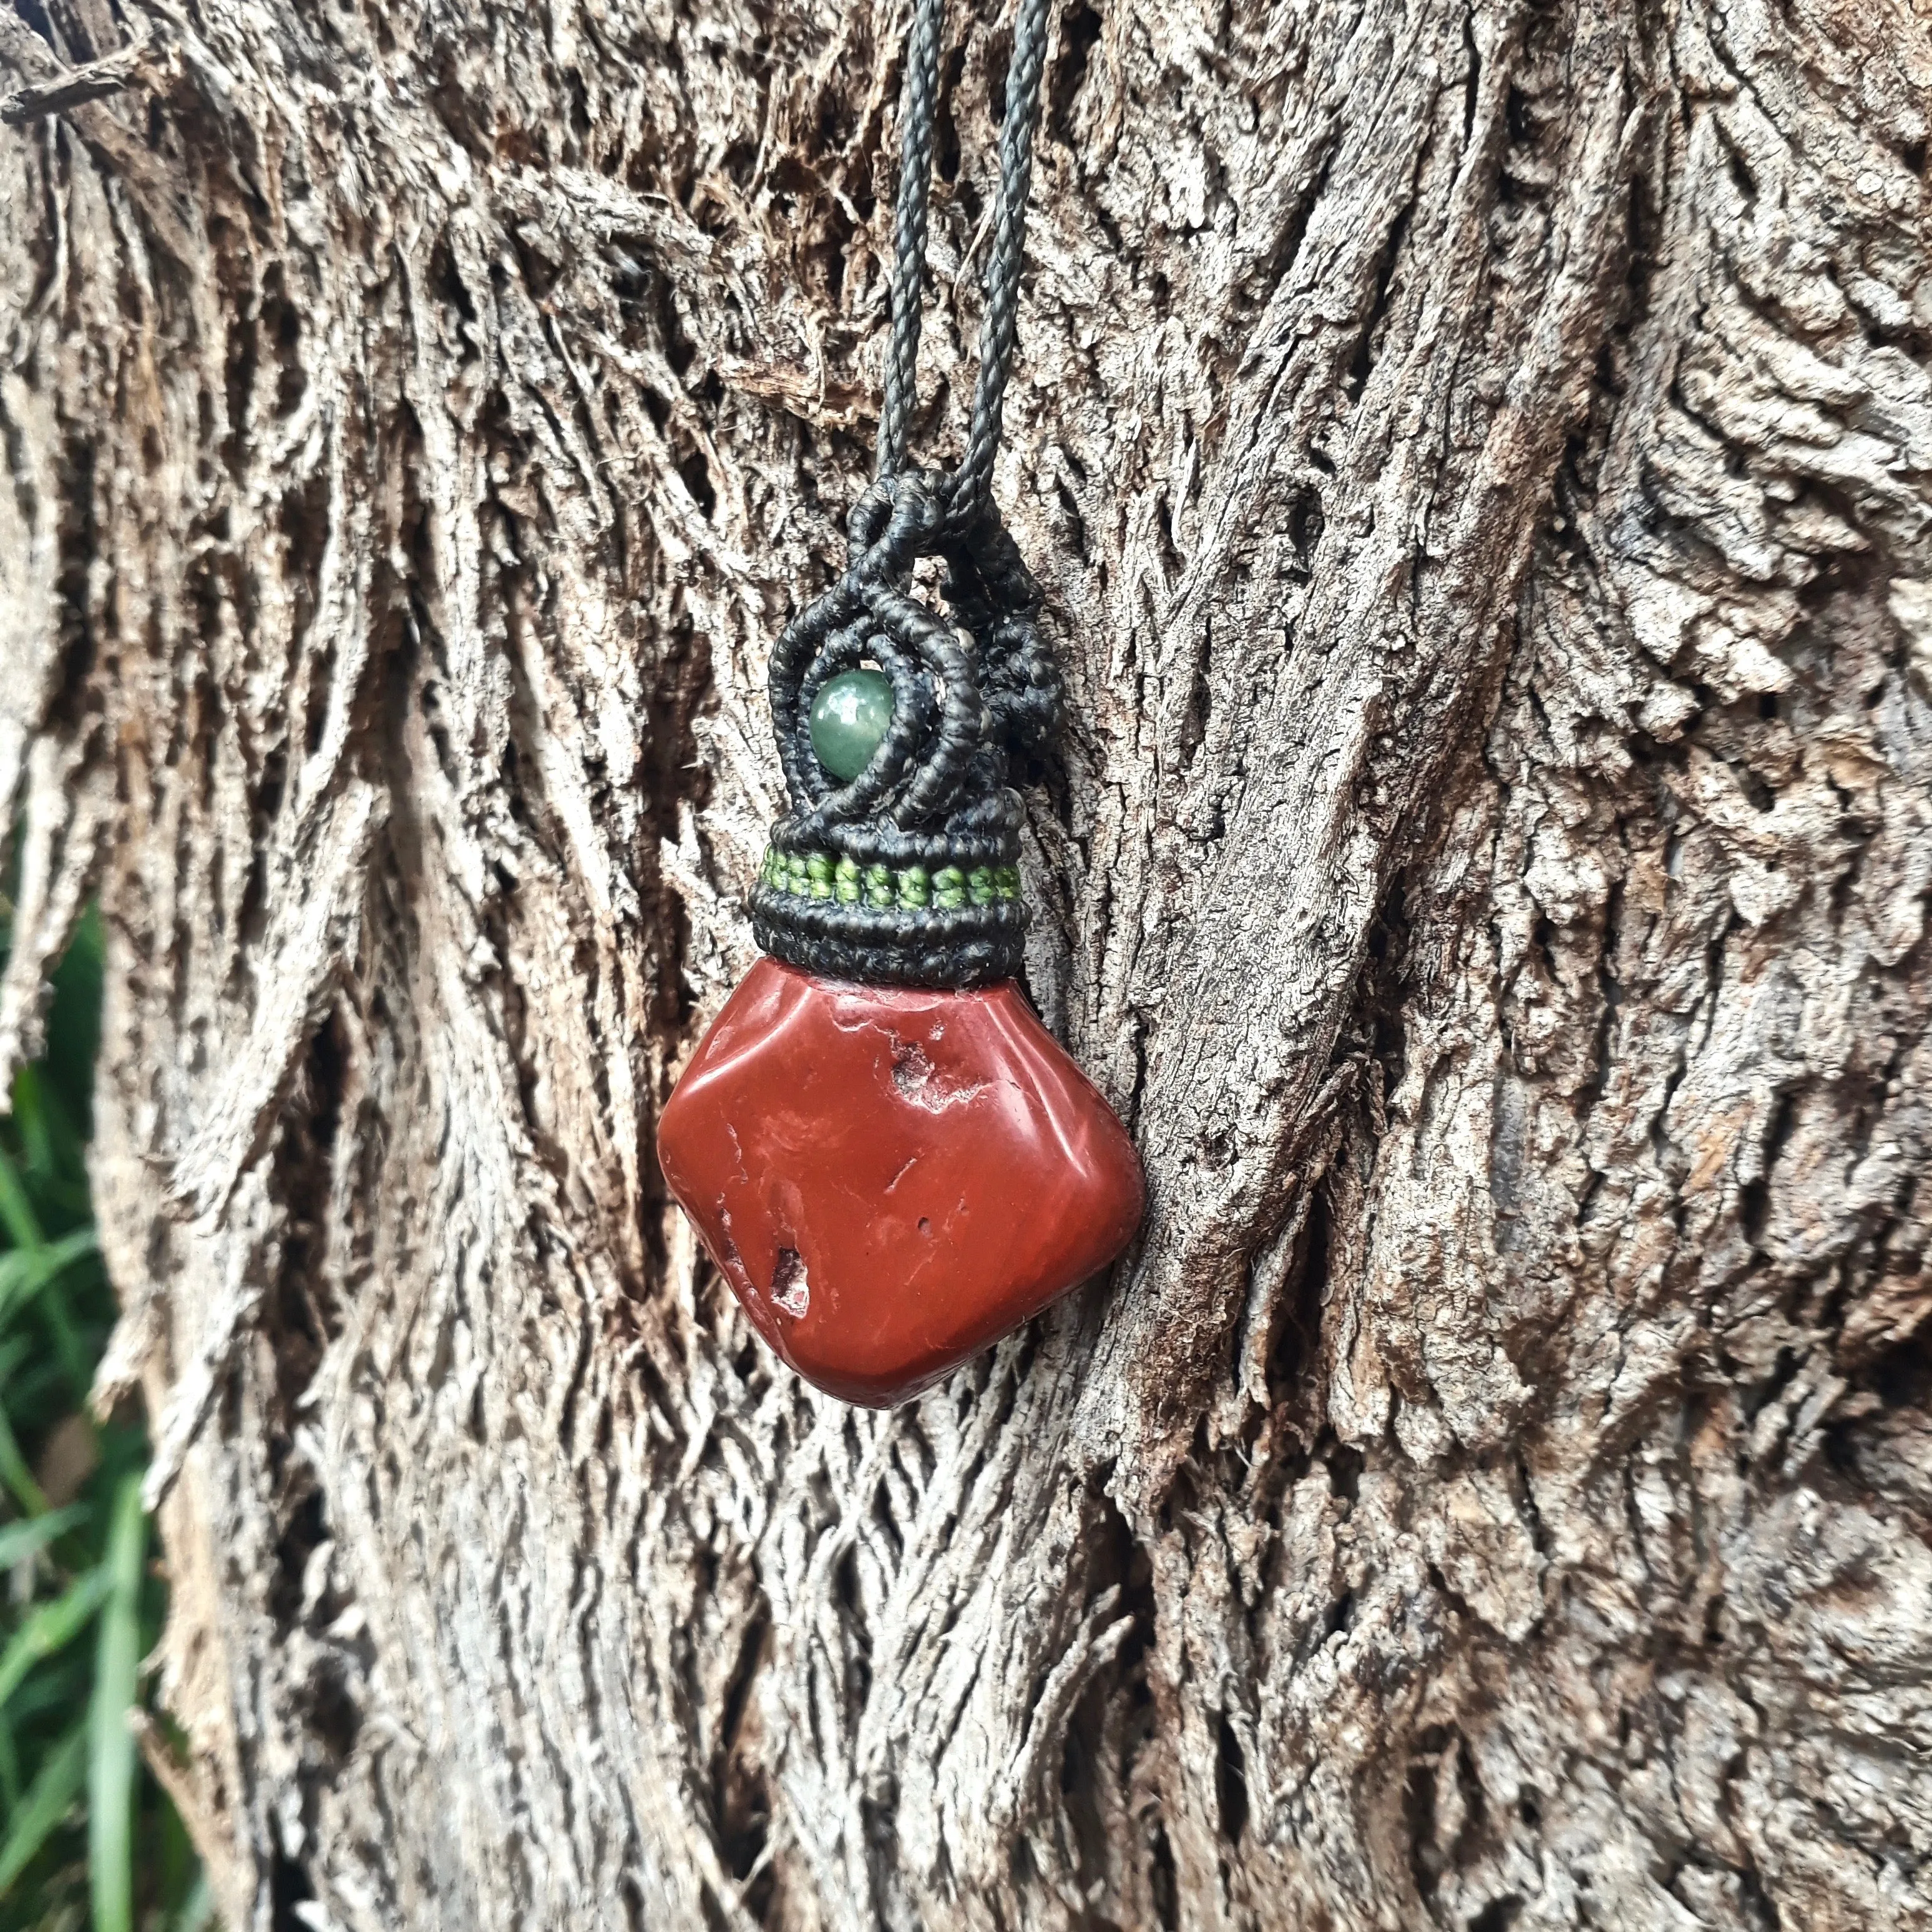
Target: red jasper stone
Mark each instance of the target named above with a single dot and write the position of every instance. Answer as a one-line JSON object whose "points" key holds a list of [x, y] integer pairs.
{"points": [[892, 1179]]}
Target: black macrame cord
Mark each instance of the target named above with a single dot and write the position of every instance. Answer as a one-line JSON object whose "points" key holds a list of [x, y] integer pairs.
{"points": [[908, 875]]}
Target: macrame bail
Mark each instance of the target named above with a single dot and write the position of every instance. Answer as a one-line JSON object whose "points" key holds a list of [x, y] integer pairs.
{"points": [[908, 874]]}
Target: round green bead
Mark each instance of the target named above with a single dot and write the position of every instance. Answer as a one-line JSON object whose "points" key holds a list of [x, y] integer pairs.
{"points": [[849, 716]]}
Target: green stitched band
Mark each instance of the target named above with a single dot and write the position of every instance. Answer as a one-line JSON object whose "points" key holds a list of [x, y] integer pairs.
{"points": [[818, 875]]}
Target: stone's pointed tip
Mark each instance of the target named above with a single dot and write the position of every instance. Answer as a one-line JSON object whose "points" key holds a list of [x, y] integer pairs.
{"points": [[887, 1199]]}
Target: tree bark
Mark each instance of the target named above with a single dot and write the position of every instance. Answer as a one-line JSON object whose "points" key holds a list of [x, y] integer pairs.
{"points": [[1480, 456]]}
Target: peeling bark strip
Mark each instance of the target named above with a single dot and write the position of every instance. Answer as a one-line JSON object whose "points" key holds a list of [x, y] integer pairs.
{"points": [[1490, 449], [127, 67]]}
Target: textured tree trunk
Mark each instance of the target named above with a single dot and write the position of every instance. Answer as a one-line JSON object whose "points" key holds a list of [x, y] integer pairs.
{"points": [[1480, 456]]}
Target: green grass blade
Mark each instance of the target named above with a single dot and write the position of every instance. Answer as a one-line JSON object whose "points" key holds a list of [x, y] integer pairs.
{"points": [[110, 1783], [17, 1211], [75, 1600], [46, 1804], [26, 1271], [50, 1627], [14, 1472], [20, 1540], [54, 1136], [31, 1119], [197, 1912]]}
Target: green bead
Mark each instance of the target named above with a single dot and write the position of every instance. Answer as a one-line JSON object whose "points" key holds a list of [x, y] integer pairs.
{"points": [[879, 890], [979, 885], [845, 882], [849, 715], [914, 887]]}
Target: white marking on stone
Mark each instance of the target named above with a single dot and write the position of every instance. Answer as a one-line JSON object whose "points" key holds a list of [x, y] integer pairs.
{"points": [[791, 1288]]}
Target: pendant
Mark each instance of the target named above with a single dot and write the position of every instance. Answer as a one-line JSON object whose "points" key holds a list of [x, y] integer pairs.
{"points": [[886, 1154], [889, 1158], [891, 1178], [883, 1149]]}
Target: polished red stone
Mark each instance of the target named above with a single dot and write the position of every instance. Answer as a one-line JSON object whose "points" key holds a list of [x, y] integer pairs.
{"points": [[890, 1180]]}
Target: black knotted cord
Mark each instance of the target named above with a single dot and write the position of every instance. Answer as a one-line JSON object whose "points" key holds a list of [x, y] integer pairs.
{"points": [[972, 487], [909, 873], [918, 114]]}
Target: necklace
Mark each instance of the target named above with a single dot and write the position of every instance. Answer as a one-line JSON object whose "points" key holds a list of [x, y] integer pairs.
{"points": [[891, 1161]]}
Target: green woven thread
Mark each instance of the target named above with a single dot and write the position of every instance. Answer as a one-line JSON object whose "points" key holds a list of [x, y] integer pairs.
{"points": [[818, 875]]}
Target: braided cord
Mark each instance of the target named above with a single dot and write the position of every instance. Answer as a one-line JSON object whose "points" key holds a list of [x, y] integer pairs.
{"points": [[918, 113], [972, 485]]}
